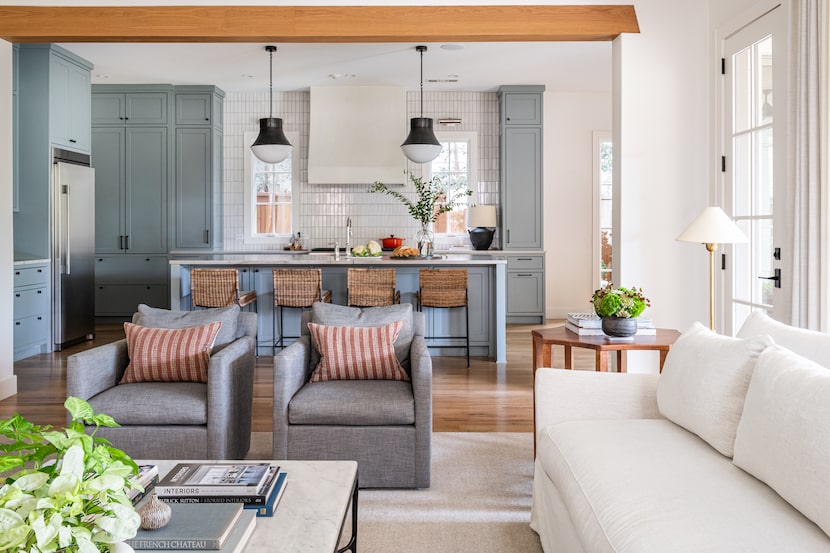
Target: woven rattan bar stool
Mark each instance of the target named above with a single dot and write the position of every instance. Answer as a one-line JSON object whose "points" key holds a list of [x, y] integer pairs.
{"points": [[446, 288], [218, 288], [371, 287], [298, 289]]}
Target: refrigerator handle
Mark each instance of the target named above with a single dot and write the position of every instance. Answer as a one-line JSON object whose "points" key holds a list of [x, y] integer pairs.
{"points": [[65, 238]]}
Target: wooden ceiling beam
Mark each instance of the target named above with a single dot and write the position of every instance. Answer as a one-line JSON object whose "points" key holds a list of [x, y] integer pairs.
{"points": [[515, 23]]}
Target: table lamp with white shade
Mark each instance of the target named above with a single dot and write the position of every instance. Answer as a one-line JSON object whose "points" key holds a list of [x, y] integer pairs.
{"points": [[481, 225], [710, 228]]}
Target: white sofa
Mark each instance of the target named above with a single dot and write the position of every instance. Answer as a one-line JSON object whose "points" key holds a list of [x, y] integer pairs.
{"points": [[727, 451]]}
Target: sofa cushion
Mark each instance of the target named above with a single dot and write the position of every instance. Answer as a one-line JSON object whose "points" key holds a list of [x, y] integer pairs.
{"points": [[649, 486], [168, 354], [154, 403], [331, 314], [811, 344], [353, 403], [783, 438], [704, 382], [356, 353], [154, 317]]}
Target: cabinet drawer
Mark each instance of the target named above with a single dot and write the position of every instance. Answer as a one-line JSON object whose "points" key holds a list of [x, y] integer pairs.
{"points": [[30, 330], [525, 293], [123, 300], [131, 269], [525, 262], [30, 302], [29, 276]]}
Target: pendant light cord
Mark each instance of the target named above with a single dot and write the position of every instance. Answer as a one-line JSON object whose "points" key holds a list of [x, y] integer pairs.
{"points": [[421, 49], [271, 83]]}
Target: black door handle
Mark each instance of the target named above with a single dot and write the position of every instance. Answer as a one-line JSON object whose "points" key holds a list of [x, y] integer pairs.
{"points": [[776, 277]]}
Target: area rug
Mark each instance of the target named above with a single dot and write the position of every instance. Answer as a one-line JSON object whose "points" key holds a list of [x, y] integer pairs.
{"points": [[479, 499]]}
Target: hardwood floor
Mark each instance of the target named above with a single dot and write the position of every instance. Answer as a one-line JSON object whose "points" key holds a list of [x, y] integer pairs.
{"points": [[484, 398]]}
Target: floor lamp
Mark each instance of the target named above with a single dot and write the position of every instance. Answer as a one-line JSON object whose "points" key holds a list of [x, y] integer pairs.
{"points": [[710, 228]]}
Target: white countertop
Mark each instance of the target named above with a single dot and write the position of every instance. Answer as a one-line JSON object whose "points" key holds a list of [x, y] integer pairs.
{"points": [[24, 262], [327, 258]]}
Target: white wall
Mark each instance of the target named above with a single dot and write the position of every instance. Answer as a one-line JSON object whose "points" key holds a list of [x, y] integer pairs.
{"points": [[8, 381], [570, 119]]}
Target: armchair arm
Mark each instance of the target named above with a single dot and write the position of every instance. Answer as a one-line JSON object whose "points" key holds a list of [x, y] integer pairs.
{"points": [[90, 372], [421, 375], [565, 395], [291, 372], [230, 398]]}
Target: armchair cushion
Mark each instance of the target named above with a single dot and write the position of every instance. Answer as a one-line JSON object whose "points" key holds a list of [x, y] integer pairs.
{"points": [[331, 314], [154, 403], [168, 355], [353, 403], [154, 317], [356, 353]]}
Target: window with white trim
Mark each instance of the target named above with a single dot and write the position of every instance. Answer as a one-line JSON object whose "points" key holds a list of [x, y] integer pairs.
{"points": [[270, 195], [456, 166]]}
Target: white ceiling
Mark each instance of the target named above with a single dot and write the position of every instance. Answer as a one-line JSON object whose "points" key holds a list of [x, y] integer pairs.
{"points": [[572, 66]]}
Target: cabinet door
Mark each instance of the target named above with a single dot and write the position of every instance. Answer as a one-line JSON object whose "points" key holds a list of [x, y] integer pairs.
{"points": [[193, 109], [146, 189], [194, 187], [146, 108], [69, 104], [108, 108], [522, 109], [108, 159], [522, 183]]}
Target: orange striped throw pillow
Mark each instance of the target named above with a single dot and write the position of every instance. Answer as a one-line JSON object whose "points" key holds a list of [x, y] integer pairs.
{"points": [[357, 353], [167, 354]]}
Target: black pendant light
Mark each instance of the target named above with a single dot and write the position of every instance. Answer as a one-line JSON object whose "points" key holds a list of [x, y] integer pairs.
{"points": [[421, 146], [271, 146]]}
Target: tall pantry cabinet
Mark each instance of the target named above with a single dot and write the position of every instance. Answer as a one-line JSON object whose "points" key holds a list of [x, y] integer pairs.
{"points": [[521, 125], [155, 149]]}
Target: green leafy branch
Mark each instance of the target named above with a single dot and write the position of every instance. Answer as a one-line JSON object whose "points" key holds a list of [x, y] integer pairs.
{"points": [[433, 198]]}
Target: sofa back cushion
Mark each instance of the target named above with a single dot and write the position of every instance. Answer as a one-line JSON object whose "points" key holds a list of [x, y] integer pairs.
{"points": [[704, 381], [154, 317], [783, 438], [811, 344]]}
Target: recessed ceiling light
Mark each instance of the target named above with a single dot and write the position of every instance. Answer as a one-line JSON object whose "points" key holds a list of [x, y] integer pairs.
{"points": [[452, 46], [452, 76], [337, 76], [247, 76], [102, 76]]}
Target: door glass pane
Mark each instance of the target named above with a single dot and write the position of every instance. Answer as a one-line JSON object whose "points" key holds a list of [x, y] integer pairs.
{"points": [[742, 271], [763, 171], [763, 261], [741, 84], [763, 78], [742, 175]]}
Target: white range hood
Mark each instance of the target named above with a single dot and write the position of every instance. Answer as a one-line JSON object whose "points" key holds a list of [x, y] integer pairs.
{"points": [[356, 133]]}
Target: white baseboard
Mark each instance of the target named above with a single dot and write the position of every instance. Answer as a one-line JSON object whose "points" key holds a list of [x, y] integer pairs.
{"points": [[8, 387]]}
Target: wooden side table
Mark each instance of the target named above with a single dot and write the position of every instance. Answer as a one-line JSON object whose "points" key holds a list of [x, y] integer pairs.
{"points": [[544, 338]]}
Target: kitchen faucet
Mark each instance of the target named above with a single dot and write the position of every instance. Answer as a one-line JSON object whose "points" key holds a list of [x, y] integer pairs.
{"points": [[348, 236]]}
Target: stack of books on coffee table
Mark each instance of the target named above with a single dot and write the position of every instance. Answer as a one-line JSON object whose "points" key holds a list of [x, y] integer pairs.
{"points": [[590, 324], [257, 486]]}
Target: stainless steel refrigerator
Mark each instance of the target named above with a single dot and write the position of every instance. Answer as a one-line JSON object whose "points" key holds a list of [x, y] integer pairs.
{"points": [[73, 248]]}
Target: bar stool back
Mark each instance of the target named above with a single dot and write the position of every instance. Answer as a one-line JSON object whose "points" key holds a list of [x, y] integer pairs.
{"points": [[445, 288], [218, 288], [371, 287], [298, 289]]}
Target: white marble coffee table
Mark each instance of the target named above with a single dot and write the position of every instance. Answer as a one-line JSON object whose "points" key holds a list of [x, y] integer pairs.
{"points": [[312, 511]]}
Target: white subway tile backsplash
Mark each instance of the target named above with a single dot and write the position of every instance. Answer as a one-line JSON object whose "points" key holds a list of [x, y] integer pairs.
{"points": [[323, 210]]}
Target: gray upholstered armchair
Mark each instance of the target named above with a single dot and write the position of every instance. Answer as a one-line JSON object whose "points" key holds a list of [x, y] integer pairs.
{"points": [[175, 420], [385, 425]]}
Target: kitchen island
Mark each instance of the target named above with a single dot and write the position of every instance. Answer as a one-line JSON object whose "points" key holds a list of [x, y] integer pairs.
{"points": [[486, 291]]}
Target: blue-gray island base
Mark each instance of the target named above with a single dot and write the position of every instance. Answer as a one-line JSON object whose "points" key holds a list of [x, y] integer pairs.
{"points": [[486, 289]]}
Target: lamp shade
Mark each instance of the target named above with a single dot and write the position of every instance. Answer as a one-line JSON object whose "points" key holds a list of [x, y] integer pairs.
{"points": [[481, 216], [712, 226], [271, 145], [421, 146]]}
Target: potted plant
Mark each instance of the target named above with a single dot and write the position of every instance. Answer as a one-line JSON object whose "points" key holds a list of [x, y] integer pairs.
{"points": [[433, 200], [64, 490], [619, 309]]}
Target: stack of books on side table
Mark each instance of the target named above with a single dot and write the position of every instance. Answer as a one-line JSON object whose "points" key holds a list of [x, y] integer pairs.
{"points": [[257, 486], [590, 324]]}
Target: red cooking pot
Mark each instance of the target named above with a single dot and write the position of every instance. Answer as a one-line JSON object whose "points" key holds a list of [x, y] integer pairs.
{"points": [[391, 242]]}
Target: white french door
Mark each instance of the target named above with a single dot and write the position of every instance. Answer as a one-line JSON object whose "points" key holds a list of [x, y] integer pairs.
{"points": [[753, 191]]}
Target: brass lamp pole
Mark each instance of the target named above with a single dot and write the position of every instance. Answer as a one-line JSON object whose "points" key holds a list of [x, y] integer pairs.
{"points": [[710, 228]]}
